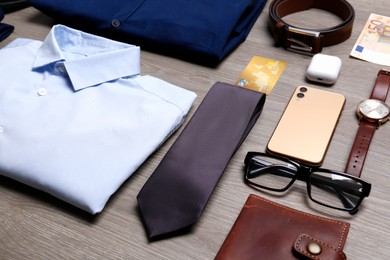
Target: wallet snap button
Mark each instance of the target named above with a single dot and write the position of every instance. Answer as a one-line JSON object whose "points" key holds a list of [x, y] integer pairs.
{"points": [[314, 248]]}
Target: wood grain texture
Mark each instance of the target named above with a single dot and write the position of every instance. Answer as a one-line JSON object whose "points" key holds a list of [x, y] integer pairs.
{"points": [[34, 225]]}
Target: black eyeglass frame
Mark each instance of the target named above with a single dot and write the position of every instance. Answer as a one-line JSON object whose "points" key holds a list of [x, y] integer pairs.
{"points": [[304, 173]]}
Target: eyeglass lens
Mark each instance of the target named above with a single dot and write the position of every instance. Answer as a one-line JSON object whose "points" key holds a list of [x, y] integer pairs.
{"points": [[271, 173], [335, 190]]}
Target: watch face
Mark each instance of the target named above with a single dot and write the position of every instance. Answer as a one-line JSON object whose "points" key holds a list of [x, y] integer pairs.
{"points": [[374, 109]]}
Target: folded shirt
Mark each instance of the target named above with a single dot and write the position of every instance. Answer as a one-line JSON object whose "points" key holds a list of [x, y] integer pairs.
{"points": [[195, 30], [77, 118]]}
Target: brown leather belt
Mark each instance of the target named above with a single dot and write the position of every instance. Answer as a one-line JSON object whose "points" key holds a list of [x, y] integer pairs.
{"points": [[309, 41]]}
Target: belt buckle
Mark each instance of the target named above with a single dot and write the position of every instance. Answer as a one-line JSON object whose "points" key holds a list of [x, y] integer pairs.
{"points": [[302, 41]]}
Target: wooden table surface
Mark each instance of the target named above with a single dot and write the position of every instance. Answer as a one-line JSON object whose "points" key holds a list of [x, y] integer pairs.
{"points": [[34, 225]]}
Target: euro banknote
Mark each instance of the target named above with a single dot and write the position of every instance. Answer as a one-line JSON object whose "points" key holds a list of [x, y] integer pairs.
{"points": [[373, 44]]}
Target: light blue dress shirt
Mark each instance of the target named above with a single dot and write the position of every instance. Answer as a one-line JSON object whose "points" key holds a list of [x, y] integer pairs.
{"points": [[77, 118]]}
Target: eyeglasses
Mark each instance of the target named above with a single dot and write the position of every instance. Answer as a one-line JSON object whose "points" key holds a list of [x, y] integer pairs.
{"points": [[326, 187]]}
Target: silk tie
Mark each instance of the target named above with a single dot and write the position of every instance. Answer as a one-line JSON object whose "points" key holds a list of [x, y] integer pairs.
{"points": [[174, 197]]}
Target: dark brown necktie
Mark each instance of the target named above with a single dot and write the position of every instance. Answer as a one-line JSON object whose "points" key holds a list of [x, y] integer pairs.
{"points": [[176, 193]]}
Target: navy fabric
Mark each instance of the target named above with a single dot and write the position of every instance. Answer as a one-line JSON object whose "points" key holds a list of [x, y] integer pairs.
{"points": [[5, 29], [200, 29]]}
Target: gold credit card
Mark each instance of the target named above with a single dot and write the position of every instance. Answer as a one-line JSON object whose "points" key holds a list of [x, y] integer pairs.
{"points": [[261, 74]]}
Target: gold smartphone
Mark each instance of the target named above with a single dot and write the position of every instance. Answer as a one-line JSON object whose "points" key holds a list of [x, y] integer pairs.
{"points": [[306, 127]]}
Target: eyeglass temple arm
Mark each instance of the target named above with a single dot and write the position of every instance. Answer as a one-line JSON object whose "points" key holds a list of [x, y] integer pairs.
{"points": [[278, 170], [346, 202], [338, 185]]}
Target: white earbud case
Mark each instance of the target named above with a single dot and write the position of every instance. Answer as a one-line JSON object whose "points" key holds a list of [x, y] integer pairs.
{"points": [[324, 68]]}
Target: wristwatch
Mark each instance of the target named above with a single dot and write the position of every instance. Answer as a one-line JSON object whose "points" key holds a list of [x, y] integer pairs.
{"points": [[372, 113]]}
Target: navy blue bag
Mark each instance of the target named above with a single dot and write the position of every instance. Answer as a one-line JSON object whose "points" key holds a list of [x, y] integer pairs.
{"points": [[5, 29]]}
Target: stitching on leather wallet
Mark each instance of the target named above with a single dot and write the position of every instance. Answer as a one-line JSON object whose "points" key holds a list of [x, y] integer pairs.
{"points": [[345, 225]]}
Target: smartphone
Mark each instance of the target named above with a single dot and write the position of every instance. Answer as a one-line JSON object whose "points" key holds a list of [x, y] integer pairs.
{"points": [[306, 127]]}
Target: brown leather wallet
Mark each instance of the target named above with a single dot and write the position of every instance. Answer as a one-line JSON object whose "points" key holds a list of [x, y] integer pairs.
{"points": [[268, 230], [309, 41]]}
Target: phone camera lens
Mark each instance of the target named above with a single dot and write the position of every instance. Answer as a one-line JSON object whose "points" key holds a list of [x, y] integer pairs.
{"points": [[303, 89], [300, 95]]}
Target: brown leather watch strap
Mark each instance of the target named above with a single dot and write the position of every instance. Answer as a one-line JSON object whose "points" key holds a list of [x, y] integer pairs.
{"points": [[360, 148], [308, 40], [381, 87], [367, 129]]}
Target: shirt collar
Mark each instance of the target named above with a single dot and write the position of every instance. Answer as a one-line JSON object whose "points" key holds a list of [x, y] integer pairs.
{"points": [[89, 59]]}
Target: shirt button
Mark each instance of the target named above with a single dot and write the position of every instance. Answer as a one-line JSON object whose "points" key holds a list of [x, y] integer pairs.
{"points": [[115, 23], [61, 68], [42, 92]]}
